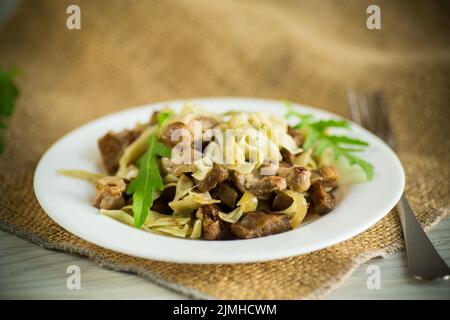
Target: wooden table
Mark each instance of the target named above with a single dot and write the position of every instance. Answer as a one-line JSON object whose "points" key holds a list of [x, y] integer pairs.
{"points": [[30, 272]]}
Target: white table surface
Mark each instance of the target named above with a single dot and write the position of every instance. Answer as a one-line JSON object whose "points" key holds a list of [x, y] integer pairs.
{"points": [[30, 272]]}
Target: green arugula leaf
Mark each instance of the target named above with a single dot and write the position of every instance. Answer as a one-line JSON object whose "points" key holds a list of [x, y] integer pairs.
{"points": [[318, 137], [366, 166], [163, 116], [149, 178], [8, 96], [324, 124], [348, 140]]}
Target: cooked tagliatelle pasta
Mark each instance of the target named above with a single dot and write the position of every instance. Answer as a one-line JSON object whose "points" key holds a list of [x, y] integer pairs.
{"points": [[239, 175]]}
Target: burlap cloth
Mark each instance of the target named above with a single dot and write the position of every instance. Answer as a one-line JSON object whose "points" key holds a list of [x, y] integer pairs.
{"points": [[135, 52]]}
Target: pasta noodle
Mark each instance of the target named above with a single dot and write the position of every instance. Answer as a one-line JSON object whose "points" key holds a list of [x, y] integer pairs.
{"points": [[133, 152], [81, 174], [196, 229], [297, 210]]}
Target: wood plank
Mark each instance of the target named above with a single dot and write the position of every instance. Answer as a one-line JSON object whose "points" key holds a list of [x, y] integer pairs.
{"points": [[30, 272]]}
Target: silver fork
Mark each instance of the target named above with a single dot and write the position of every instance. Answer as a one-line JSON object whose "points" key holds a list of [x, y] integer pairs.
{"points": [[424, 262]]}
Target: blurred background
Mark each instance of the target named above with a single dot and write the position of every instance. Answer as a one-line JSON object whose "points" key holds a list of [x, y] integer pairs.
{"points": [[130, 53]]}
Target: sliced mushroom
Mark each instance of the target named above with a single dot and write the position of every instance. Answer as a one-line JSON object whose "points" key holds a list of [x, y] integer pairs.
{"points": [[204, 123], [330, 176], [175, 133], [264, 188], [167, 166], [110, 193], [114, 184], [298, 178], [243, 181]]}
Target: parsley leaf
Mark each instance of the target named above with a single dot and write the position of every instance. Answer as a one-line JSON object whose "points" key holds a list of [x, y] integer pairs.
{"points": [[8, 96], [149, 178], [318, 137]]}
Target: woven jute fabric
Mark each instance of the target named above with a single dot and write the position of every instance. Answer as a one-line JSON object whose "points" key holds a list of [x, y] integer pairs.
{"points": [[131, 53]]}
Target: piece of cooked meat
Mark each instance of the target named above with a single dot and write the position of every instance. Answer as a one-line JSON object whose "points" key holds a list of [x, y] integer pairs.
{"points": [[175, 133], [288, 157], [110, 193], [226, 193], [167, 166], [297, 135], [315, 177], [322, 201], [330, 176], [264, 188], [268, 169], [112, 145], [298, 178], [284, 164], [154, 118], [161, 204], [204, 123], [261, 187], [215, 176], [281, 201], [243, 181], [106, 200], [213, 228], [260, 224]]}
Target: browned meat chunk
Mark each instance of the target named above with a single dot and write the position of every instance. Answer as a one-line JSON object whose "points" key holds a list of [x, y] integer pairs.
{"points": [[112, 146], [161, 204], [315, 177], [322, 201], [298, 178], [213, 228], [154, 118], [330, 176], [177, 132], [167, 166], [260, 224], [110, 193], [263, 188], [226, 193], [243, 181], [108, 201], [287, 156], [204, 124], [281, 201], [297, 135], [174, 133], [217, 175]]}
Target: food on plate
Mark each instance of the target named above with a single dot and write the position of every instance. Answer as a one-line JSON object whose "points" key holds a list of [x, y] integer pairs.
{"points": [[237, 175]]}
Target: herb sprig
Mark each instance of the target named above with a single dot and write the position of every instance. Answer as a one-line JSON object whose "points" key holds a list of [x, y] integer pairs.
{"points": [[8, 96], [318, 136], [149, 178]]}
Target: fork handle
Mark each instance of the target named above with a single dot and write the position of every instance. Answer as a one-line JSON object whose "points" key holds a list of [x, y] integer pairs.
{"points": [[424, 262]]}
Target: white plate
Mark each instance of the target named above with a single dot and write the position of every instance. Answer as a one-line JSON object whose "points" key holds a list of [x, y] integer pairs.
{"points": [[67, 200]]}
